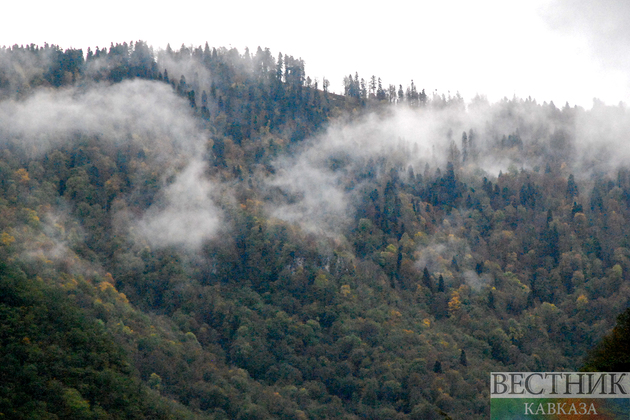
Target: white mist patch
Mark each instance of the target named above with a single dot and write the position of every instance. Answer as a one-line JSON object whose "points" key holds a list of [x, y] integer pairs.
{"points": [[315, 201], [196, 75], [316, 189], [132, 111], [403, 135], [438, 254], [438, 258], [320, 186], [186, 216], [476, 282], [602, 139], [147, 114], [53, 248]]}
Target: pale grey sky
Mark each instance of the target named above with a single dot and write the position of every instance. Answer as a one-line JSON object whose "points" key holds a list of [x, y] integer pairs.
{"points": [[569, 50]]}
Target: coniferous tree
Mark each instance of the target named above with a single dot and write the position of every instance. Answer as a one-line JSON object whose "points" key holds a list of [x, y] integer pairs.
{"points": [[463, 360], [572, 188], [437, 367], [611, 354], [426, 279], [380, 93]]}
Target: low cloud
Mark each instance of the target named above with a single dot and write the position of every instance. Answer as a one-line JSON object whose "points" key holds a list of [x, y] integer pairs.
{"points": [[196, 75], [310, 196], [132, 111], [476, 282], [186, 215], [321, 186], [147, 114]]}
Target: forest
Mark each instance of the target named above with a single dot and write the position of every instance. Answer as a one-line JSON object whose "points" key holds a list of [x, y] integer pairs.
{"points": [[205, 233]]}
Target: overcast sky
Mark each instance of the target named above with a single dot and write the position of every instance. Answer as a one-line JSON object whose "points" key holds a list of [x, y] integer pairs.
{"points": [[570, 50]]}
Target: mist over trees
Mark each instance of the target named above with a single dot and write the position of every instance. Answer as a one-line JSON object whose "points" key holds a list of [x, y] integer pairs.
{"points": [[208, 233]]}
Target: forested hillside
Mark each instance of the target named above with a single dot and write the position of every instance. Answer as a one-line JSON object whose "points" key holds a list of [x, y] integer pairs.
{"points": [[206, 233]]}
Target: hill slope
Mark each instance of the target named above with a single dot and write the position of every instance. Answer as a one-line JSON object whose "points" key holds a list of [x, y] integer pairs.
{"points": [[255, 247]]}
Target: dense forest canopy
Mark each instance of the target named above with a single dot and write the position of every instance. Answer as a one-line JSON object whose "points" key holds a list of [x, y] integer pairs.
{"points": [[232, 240]]}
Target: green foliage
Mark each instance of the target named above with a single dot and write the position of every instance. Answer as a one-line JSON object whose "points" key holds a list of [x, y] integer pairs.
{"points": [[56, 362], [439, 276], [611, 354]]}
